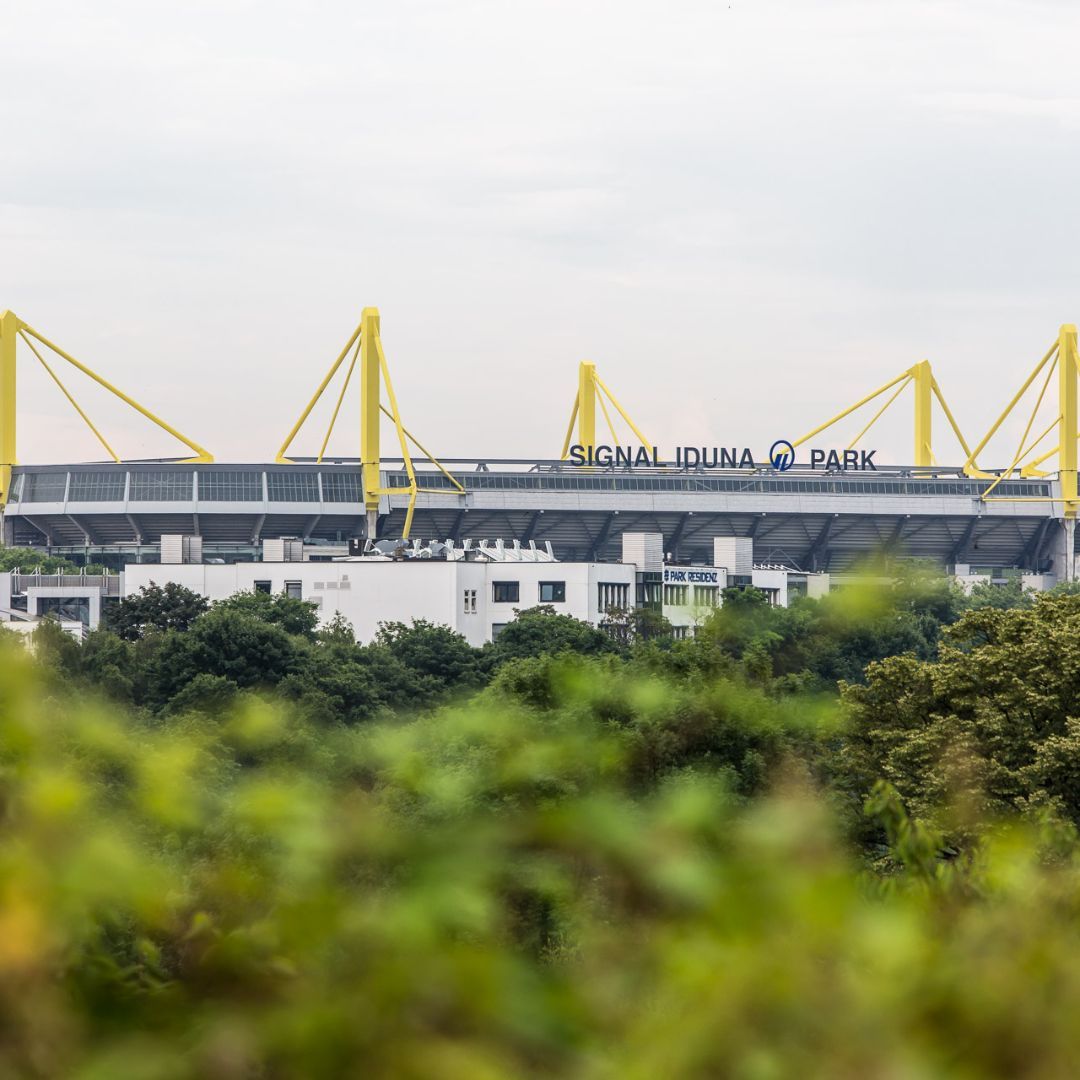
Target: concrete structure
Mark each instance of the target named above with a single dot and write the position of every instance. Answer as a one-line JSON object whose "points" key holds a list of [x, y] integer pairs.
{"points": [[799, 519]]}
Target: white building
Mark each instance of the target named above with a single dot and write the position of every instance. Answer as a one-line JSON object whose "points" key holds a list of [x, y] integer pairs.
{"points": [[476, 598], [475, 590], [687, 595]]}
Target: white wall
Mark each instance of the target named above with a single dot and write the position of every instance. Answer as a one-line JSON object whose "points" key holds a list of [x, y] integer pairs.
{"points": [[369, 591], [683, 617], [774, 582]]}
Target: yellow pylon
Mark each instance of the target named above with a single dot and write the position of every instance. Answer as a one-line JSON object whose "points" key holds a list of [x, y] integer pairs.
{"points": [[365, 344], [921, 378], [592, 391], [1062, 356], [12, 328]]}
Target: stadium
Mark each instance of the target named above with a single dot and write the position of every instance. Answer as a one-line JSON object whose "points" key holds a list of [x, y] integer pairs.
{"points": [[821, 517]]}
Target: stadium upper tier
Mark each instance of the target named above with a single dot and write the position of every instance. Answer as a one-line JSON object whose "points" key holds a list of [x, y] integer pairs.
{"points": [[801, 519]]}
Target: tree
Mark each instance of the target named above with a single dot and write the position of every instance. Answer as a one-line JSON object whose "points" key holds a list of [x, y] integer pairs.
{"points": [[336, 684], [630, 625], [224, 642], [105, 661], [435, 651], [57, 649], [539, 630], [823, 641], [155, 607], [986, 594], [300, 617], [208, 694], [29, 559], [986, 730]]}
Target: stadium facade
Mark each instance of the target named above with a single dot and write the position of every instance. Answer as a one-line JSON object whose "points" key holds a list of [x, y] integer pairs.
{"points": [[805, 520]]}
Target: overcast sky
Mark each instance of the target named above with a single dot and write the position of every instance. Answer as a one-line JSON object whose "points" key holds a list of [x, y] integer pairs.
{"points": [[747, 214]]}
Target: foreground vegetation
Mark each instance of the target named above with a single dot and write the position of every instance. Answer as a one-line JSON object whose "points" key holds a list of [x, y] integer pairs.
{"points": [[837, 840]]}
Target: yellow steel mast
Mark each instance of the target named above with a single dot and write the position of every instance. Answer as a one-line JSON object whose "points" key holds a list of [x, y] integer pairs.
{"points": [[592, 391], [1062, 357], [922, 380], [926, 389], [365, 344], [370, 419], [9, 328], [1067, 373], [12, 328]]}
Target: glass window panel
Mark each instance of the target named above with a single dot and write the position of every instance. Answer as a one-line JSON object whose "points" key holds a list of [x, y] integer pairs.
{"points": [[161, 486], [552, 592], [45, 487], [292, 487], [230, 486], [342, 487], [97, 487], [505, 592]]}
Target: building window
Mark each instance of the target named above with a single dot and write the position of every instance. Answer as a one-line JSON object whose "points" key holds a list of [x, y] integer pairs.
{"points": [[294, 590], [505, 592], [66, 608], [292, 487], [496, 629], [161, 486], [676, 595], [706, 595], [230, 486], [470, 601], [343, 487], [552, 592], [44, 487], [96, 487], [263, 586], [612, 594]]}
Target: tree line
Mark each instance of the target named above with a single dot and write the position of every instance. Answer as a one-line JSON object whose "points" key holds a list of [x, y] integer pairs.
{"points": [[834, 839]]}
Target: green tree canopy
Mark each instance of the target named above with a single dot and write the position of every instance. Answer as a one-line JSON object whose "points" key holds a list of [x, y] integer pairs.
{"points": [[539, 630], [294, 616], [154, 607], [987, 730], [437, 652]]}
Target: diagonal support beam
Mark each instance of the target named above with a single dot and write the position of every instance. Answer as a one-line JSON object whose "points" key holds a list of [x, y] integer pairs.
{"points": [[897, 533], [818, 555], [961, 545], [1030, 557], [677, 534], [600, 539], [456, 526], [530, 528], [85, 529]]}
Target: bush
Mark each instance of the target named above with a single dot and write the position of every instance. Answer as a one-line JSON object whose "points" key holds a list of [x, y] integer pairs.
{"points": [[493, 891]]}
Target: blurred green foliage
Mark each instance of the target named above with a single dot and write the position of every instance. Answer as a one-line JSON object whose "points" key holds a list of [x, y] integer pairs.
{"points": [[253, 848]]}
